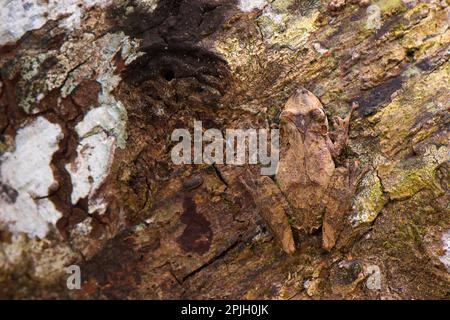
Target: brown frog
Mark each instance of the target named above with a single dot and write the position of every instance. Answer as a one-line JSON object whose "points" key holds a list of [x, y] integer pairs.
{"points": [[308, 186]]}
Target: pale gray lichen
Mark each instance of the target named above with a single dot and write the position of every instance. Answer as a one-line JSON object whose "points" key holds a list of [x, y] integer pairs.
{"points": [[27, 172], [249, 5], [18, 17], [445, 258], [103, 128], [149, 4]]}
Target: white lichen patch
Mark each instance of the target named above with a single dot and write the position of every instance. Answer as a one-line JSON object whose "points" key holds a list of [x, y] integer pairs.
{"points": [[19, 16], [35, 257], [103, 128], [249, 5], [96, 59], [319, 49], [84, 228], [98, 205], [151, 5], [24, 208], [81, 57], [27, 176], [445, 259], [110, 118], [89, 169]]}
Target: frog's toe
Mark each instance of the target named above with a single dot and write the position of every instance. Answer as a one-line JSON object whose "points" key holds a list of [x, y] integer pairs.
{"points": [[338, 122]]}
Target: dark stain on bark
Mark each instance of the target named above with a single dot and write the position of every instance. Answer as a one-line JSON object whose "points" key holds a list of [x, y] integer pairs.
{"points": [[197, 235], [8, 193], [371, 100], [434, 61], [48, 37], [65, 154], [179, 78], [389, 25], [193, 182], [303, 7], [171, 39], [86, 94], [175, 21], [12, 115], [425, 64], [114, 270]]}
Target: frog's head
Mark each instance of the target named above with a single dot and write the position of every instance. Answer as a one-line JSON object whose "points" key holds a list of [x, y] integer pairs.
{"points": [[305, 110]]}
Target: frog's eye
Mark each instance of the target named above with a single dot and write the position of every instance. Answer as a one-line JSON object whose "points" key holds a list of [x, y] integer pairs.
{"points": [[318, 115]]}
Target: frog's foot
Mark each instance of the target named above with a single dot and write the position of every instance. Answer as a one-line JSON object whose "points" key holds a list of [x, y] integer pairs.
{"points": [[272, 206], [341, 125], [340, 134]]}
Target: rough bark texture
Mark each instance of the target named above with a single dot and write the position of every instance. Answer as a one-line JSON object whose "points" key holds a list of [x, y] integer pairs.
{"points": [[90, 92]]}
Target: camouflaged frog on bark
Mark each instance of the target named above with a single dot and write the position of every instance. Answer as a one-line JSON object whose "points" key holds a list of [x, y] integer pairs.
{"points": [[309, 186]]}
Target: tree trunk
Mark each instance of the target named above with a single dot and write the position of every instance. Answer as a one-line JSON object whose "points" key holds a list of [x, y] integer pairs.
{"points": [[91, 92]]}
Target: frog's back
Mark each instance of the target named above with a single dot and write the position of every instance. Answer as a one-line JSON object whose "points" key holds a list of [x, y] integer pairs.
{"points": [[306, 165]]}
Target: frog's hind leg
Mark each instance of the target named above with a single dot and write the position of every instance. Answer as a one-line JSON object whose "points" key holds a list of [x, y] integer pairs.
{"points": [[272, 206], [338, 201]]}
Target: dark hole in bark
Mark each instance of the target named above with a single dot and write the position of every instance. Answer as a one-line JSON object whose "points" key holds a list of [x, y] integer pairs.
{"points": [[169, 74], [410, 53]]}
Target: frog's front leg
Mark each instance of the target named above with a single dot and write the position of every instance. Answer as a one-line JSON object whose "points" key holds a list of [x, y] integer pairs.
{"points": [[340, 134], [338, 201], [273, 207]]}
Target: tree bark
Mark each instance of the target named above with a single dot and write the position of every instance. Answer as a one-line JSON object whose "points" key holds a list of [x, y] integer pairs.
{"points": [[91, 93]]}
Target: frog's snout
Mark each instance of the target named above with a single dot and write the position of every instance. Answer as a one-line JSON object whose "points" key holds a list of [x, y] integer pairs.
{"points": [[301, 90]]}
